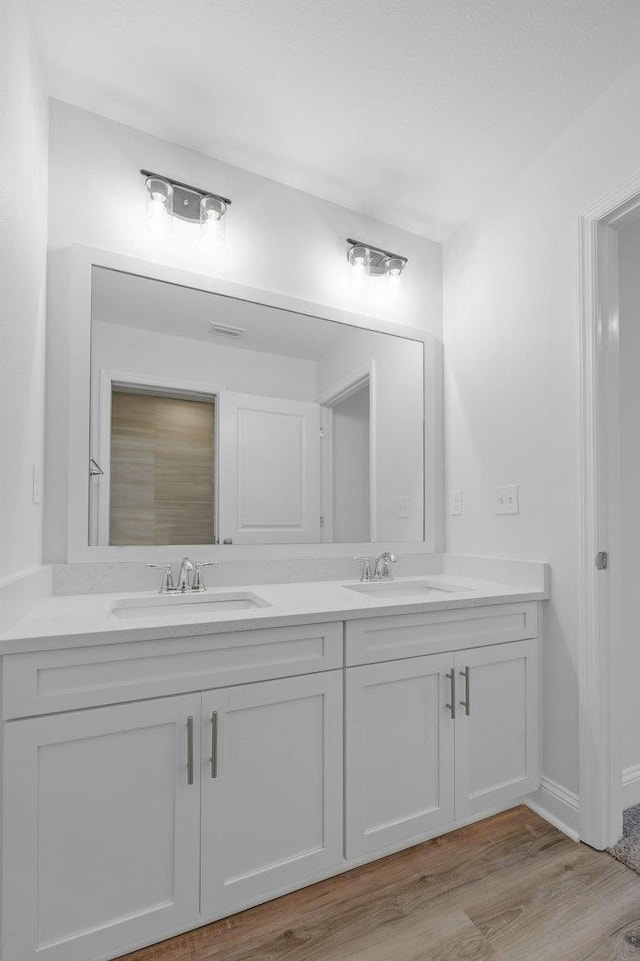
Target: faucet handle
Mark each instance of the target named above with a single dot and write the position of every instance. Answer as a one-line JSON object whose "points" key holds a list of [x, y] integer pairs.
{"points": [[365, 577], [383, 565], [168, 585], [198, 578]]}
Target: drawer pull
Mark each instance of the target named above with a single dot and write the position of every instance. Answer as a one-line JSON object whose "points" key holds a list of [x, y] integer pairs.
{"points": [[189, 750], [214, 744], [452, 706], [466, 704]]}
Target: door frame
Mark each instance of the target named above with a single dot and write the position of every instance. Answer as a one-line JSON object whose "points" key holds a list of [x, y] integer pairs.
{"points": [[600, 673], [346, 387], [100, 451]]}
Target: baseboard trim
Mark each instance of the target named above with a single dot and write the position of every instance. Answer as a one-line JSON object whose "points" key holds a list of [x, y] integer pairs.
{"points": [[631, 786], [558, 806]]}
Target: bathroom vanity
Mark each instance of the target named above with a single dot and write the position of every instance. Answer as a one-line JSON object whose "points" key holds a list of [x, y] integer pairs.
{"points": [[167, 763], [170, 759]]}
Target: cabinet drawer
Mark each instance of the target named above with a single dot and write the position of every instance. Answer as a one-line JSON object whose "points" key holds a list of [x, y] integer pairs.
{"points": [[44, 682], [374, 639]]}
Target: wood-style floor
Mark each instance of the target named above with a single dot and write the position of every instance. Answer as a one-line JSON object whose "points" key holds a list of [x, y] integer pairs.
{"points": [[511, 888]]}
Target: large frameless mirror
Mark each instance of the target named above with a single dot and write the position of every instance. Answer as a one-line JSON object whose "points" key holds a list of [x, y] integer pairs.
{"points": [[216, 420]]}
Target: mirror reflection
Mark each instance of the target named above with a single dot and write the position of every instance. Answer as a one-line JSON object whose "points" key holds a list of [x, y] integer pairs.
{"points": [[221, 421]]}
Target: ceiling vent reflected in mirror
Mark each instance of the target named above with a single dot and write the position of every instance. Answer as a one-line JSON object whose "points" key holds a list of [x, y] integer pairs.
{"points": [[368, 262], [168, 198], [226, 330]]}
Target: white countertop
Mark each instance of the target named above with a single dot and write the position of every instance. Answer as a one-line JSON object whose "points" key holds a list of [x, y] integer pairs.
{"points": [[87, 619]]}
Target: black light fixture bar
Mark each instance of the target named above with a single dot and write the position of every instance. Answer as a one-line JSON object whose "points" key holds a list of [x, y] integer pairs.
{"points": [[182, 186], [376, 250]]}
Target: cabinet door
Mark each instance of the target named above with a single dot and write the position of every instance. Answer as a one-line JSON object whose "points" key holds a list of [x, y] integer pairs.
{"points": [[399, 760], [496, 727], [101, 830], [271, 788]]}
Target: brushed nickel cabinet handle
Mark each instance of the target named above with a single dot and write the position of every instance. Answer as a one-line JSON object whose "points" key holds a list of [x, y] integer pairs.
{"points": [[452, 706], [189, 750], [466, 704], [214, 744]]}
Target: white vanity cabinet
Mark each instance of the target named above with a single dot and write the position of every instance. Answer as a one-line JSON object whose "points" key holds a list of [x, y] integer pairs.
{"points": [[101, 829], [399, 753], [150, 786], [437, 740], [271, 788], [496, 727]]}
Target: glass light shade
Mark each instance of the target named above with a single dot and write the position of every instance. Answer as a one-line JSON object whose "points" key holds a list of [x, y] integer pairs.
{"points": [[212, 224], [360, 260], [159, 206], [394, 271]]}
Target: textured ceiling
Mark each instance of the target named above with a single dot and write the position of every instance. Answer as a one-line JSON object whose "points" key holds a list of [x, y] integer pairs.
{"points": [[411, 111]]}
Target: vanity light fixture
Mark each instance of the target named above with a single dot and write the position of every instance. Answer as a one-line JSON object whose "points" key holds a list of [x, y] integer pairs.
{"points": [[168, 198], [367, 261]]}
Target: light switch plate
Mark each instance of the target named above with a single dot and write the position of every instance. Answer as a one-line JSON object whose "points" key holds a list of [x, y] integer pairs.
{"points": [[455, 501], [508, 500], [404, 509]]}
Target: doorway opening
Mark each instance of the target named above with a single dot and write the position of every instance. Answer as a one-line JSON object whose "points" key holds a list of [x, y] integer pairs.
{"points": [[610, 467], [348, 434]]}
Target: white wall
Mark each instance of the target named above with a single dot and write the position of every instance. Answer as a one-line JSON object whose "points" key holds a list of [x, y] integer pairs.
{"points": [[629, 253], [399, 423], [278, 238], [350, 428], [512, 377], [23, 226], [115, 347]]}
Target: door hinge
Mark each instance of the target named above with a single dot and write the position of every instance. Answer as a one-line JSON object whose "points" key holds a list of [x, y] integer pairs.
{"points": [[602, 560], [321, 521]]}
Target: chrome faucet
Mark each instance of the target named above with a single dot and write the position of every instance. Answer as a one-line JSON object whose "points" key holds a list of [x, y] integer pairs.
{"points": [[198, 585], [190, 577], [367, 573], [167, 585], [382, 570], [378, 569], [184, 577]]}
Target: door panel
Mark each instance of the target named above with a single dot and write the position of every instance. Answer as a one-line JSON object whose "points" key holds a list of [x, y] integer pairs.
{"points": [[103, 845], [272, 814], [400, 742], [497, 742], [269, 469]]}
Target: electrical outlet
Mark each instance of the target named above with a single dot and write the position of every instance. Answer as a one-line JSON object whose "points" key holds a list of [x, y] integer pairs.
{"points": [[36, 484], [507, 500], [455, 501], [404, 509]]}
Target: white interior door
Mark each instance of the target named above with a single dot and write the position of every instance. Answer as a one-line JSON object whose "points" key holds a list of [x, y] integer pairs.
{"points": [[271, 788], [497, 741], [101, 839], [399, 752], [268, 470]]}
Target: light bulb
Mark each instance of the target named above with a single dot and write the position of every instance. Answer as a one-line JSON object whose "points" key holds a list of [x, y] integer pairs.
{"points": [[212, 226], [159, 206], [360, 260], [394, 270]]}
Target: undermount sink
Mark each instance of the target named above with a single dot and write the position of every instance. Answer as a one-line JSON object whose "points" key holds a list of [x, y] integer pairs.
{"points": [[179, 605], [392, 588]]}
